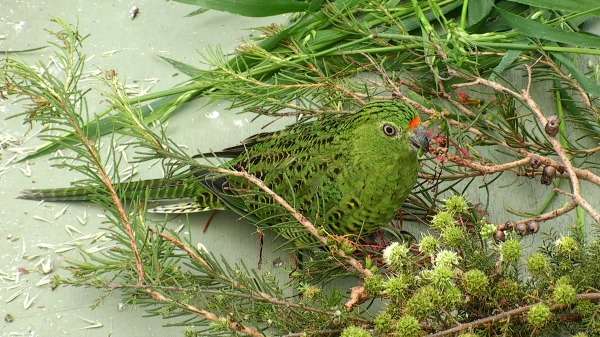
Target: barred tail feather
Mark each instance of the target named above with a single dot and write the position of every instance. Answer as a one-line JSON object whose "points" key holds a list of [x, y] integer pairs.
{"points": [[183, 208], [58, 194], [153, 189]]}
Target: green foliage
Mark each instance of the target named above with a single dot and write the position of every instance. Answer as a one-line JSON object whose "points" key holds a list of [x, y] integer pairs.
{"points": [[511, 250], [408, 326], [476, 282], [539, 315], [251, 7], [459, 274], [354, 331]]}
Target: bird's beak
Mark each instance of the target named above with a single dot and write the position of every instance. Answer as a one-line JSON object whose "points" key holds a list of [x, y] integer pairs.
{"points": [[420, 140]]}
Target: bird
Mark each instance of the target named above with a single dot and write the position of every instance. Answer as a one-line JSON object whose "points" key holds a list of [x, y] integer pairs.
{"points": [[347, 173]]}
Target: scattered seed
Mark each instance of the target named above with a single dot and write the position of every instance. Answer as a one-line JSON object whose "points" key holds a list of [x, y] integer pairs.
{"points": [[45, 246], [26, 171], [8, 318], [39, 218], [44, 280], [70, 230], [61, 212], [92, 324], [29, 301], [47, 265], [64, 249], [134, 12], [14, 295]]}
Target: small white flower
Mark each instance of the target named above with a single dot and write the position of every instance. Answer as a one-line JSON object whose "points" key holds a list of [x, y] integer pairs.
{"points": [[387, 252], [396, 254], [447, 258]]}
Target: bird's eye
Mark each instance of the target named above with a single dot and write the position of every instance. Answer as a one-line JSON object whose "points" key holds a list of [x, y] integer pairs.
{"points": [[389, 130]]}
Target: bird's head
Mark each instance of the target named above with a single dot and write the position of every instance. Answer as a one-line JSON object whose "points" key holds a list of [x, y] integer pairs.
{"points": [[392, 129]]}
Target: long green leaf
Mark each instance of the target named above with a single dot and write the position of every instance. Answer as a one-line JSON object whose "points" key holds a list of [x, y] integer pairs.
{"points": [[507, 60], [255, 8], [566, 5], [542, 31], [478, 10], [185, 68], [590, 86]]}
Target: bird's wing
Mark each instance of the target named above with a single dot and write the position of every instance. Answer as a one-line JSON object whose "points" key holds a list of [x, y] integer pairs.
{"points": [[234, 151]]}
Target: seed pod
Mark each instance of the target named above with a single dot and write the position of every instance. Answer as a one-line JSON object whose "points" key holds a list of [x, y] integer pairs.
{"points": [[552, 125], [500, 236], [501, 227], [533, 226], [535, 162], [548, 174], [522, 228], [509, 225]]}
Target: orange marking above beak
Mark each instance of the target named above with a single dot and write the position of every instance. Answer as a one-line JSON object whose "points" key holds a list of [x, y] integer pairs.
{"points": [[414, 123]]}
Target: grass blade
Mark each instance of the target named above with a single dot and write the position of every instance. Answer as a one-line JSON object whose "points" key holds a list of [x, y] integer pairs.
{"points": [[185, 68], [254, 8], [590, 86], [572, 6], [542, 31]]}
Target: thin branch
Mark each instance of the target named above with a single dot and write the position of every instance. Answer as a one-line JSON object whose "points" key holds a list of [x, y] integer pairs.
{"points": [[207, 315], [507, 315], [308, 225], [525, 97]]}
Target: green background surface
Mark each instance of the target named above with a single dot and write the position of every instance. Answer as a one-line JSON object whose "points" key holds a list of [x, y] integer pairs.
{"points": [[30, 229], [132, 49]]}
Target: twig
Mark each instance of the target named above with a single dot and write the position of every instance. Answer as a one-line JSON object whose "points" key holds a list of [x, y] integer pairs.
{"points": [[525, 97], [308, 225], [550, 215], [507, 315], [256, 295], [210, 316]]}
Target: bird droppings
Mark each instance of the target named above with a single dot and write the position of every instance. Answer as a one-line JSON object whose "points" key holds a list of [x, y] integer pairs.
{"points": [[134, 11]]}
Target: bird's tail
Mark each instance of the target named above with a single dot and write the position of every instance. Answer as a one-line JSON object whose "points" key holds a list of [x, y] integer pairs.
{"points": [[151, 189]]}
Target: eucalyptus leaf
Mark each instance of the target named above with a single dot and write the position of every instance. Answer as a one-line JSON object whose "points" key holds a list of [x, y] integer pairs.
{"points": [[543, 31], [478, 10], [589, 85], [574, 6], [507, 60], [185, 68], [254, 8]]}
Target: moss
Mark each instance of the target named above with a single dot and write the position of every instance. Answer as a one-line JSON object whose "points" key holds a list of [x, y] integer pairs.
{"points": [[538, 265], [428, 244], [424, 302], [397, 255], [564, 292], [354, 331], [374, 284], [511, 250], [538, 315], [408, 326], [475, 282], [453, 236], [457, 204], [397, 287], [442, 220]]}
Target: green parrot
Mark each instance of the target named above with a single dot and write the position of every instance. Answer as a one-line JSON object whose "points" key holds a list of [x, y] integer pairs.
{"points": [[348, 174]]}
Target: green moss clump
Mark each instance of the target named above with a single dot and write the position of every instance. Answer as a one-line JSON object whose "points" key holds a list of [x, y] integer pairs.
{"points": [[354, 331], [457, 204], [408, 326], [511, 251], [564, 292], [475, 282], [538, 265], [428, 244], [397, 287], [453, 236], [442, 220], [539, 315]]}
